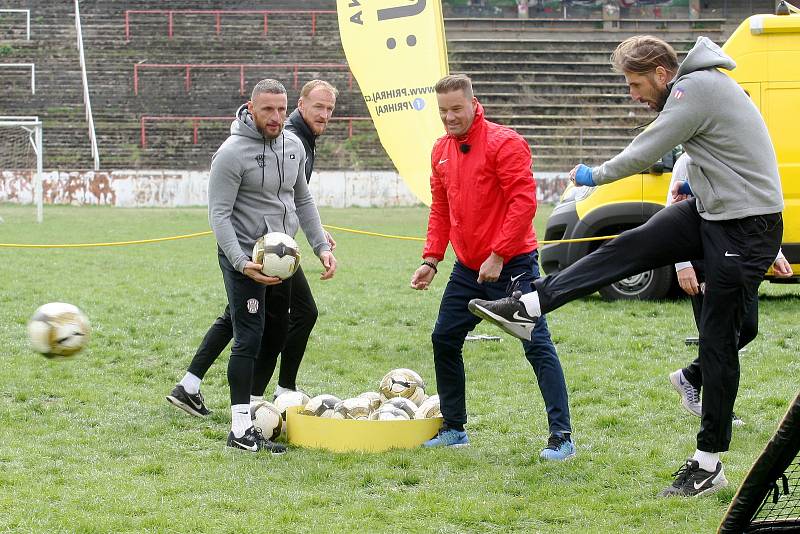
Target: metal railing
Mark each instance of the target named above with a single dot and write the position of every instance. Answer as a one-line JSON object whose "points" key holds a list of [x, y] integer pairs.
{"points": [[25, 65], [294, 67], [27, 20], [217, 13], [197, 120], [86, 100]]}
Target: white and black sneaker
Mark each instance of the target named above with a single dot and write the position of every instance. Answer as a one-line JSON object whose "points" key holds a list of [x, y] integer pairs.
{"points": [[253, 441], [690, 395], [191, 404], [508, 313], [691, 481]]}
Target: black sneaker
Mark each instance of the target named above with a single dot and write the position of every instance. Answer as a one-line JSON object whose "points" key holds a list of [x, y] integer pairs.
{"points": [[254, 441], [508, 313], [191, 404], [691, 481]]}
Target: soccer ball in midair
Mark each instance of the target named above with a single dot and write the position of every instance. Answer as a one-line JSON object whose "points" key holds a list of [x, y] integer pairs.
{"points": [[58, 329], [321, 405], [278, 255], [355, 408], [429, 408], [403, 404], [266, 418], [403, 383]]}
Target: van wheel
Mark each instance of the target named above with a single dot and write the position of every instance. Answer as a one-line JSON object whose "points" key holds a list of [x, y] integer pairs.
{"points": [[649, 285]]}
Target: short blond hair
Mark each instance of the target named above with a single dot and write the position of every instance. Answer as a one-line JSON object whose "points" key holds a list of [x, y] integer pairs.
{"points": [[455, 82], [641, 54], [314, 84]]}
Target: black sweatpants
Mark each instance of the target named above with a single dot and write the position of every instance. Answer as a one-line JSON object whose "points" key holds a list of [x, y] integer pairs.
{"points": [[748, 332], [736, 252], [291, 345]]}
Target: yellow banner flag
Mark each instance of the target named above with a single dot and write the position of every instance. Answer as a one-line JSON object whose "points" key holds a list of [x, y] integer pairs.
{"points": [[397, 52]]}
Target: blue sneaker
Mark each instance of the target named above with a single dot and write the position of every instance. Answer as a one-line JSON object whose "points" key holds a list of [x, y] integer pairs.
{"points": [[559, 448], [448, 438]]}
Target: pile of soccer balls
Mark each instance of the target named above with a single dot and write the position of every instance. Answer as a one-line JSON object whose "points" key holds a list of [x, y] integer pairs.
{"points": [[401, 396]]}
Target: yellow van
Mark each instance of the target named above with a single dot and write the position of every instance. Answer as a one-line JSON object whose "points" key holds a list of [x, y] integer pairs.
{"points": [[766, 49]]}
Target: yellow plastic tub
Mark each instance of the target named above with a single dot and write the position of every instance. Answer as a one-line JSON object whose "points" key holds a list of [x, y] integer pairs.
{"points": [[347, 435]]}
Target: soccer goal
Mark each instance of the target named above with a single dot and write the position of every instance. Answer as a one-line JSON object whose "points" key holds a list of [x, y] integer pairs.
{"points": [[769, 497], [21, 153]]}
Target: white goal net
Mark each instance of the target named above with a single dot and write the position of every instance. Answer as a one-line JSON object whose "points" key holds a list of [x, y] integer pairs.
{"points": [[21, 160]]}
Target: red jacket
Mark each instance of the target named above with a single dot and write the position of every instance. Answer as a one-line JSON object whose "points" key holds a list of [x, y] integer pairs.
{"points": [[484, 200]]}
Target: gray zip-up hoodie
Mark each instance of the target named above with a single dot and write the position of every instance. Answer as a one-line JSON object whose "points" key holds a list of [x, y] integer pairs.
{"points": [[258, 186], [734, 171]]}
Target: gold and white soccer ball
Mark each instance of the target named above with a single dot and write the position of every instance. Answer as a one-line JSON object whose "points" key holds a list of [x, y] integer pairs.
{"points": [[288, 399], [387, 412], [278, 255], [403, 383], [429, 408], [373, 398], [58, 330], [321, 405], [266, 418], [404, 404], [356, 408]]}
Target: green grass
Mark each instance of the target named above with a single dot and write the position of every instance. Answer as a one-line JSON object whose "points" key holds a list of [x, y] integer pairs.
{"points": [[90, 445]]}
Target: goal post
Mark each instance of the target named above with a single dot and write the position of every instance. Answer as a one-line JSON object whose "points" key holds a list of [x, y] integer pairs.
{"points": [[769, 498], [21, 152]]}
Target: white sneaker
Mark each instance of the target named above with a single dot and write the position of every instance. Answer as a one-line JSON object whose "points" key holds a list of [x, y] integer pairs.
{"points": [[690, 397]]}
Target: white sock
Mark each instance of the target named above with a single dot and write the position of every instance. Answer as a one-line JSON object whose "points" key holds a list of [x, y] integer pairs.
{"points": [[280, 389], [240, 419], [707, 460], [191, 384], [531, 302], [256, 398]]}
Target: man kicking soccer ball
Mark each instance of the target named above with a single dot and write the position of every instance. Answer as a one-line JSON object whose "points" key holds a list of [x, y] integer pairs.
{"points": [[734, 224]]}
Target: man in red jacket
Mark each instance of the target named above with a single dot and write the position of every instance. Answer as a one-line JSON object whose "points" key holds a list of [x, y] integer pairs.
{"points": [[484, 201]]}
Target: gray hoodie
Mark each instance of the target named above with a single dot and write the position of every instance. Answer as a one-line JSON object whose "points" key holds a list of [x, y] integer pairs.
{"points": [[259, 186], [734, 172]]}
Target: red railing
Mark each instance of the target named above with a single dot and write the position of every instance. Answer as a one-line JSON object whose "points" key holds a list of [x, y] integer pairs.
{"points": [[295, 67], [197, 120], [170, 13]]}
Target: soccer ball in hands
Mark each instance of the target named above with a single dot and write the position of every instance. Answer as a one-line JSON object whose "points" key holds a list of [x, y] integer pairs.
{"points": [[58, 329], [403, 383], [278, 255], [266, 418]]}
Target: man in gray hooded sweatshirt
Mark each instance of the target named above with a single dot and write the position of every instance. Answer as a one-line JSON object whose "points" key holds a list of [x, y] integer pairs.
{"points": [[257, 185], [733, 223]]}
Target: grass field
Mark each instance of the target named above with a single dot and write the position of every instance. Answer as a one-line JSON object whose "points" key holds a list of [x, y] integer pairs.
{"points": [[90, 444]]}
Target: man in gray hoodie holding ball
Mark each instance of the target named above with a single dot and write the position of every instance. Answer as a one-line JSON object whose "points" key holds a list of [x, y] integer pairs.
{"points": [[257, 185]]}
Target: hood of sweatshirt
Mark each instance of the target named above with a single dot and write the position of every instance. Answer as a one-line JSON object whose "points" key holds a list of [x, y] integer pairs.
{"points": [[244, 124], [704, 55]]}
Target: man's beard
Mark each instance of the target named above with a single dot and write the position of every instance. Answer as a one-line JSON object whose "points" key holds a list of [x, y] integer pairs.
{"points": [[267, 135], [662, 99]]}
